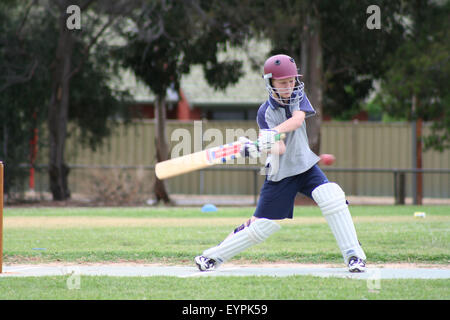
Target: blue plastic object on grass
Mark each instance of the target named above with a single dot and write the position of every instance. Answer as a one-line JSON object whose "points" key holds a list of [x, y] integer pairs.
{"points": [[209, 208]]}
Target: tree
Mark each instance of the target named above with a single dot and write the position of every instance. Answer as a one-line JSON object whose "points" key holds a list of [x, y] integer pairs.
{"points": [[170, 36], [31, 71], [64, 69], [419, 72], [24, 83]]}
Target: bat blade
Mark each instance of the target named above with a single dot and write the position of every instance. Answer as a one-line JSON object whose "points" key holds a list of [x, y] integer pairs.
{"points": [[198, 160], [202, 159]]}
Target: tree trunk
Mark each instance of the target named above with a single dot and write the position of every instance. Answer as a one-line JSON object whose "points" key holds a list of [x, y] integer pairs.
{"points": [[162, 149], [313, 77], [58, 113]]}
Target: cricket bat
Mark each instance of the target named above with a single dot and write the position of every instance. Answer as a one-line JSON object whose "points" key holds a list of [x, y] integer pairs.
{"points": [[202, 159]]}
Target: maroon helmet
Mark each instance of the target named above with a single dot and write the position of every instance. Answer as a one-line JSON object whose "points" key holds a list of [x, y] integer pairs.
{"points": [[282, 66]]}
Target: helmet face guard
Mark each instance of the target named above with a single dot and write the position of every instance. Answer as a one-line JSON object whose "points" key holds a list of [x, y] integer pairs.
{"points": [[277, 93], [280, 67]]}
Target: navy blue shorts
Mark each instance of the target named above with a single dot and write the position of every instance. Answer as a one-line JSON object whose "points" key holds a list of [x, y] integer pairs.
{"points": [[276, 200]]}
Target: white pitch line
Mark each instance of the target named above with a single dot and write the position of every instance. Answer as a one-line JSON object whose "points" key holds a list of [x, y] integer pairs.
{"points": [[21, 269], [190, 272]]}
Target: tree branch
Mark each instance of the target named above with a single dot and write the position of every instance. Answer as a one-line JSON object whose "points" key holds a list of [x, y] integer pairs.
{"points": [[86, 4], [194, 4], [21, 79], [88, 48], [94, 40], [24, 19]]}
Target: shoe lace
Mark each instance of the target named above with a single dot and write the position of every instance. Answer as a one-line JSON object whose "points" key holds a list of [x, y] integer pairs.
{"points": [[355, 260]]}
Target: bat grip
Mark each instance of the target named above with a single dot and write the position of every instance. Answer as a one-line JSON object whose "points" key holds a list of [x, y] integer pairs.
{"points": [[278, 137]]}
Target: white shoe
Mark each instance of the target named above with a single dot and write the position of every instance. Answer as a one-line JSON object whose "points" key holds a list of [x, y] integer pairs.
{"points": [[205, 264], [356, 264]]}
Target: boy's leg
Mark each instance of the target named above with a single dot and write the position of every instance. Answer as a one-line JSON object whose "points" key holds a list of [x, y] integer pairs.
{"points": [[242, 226], [331, 200], [276, 202], [256, 232]]}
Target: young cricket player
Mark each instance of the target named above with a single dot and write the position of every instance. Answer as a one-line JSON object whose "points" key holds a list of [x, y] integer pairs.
{"points": [[291, 168]]}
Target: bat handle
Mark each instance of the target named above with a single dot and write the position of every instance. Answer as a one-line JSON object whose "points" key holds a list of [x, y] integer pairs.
{"points": [[280, 136]]}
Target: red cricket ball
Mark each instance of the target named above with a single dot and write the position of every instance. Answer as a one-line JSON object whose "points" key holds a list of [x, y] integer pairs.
{"points": [[327, 159]]}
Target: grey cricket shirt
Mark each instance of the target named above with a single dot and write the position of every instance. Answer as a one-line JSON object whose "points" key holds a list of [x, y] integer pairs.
{"points": [[298, 157]]}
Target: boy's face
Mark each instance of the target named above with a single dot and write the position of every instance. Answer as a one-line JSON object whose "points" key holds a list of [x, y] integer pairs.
{"points": [[284, 87]]}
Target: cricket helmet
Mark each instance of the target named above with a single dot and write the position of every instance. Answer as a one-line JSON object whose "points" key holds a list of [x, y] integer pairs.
{"points": [[280, 67]]}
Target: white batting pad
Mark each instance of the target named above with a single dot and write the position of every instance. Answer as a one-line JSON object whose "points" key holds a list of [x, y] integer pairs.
{"points": [[331, 200], [258, 231]]}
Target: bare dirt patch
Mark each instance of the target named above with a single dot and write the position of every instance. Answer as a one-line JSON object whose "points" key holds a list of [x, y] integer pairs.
{"points": [[86, 222]]}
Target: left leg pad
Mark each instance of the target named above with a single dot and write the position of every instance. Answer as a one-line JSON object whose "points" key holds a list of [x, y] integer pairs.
{"points": [[258, 231]]}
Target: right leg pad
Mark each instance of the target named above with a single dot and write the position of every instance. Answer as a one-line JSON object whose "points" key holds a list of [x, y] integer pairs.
{"points": [[331, 200]]}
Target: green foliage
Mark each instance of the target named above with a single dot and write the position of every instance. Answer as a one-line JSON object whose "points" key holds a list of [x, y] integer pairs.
{"points": [[353, 54], [95, 108], [24, 85], [420, 68], [27, 51], [183, 34]]}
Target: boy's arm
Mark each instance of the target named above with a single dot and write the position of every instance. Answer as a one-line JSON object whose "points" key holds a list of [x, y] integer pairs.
{"points": [[293, 123]]}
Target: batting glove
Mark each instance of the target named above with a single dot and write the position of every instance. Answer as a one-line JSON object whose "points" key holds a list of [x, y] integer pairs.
{"points": [[249, 148], [266, 139]]}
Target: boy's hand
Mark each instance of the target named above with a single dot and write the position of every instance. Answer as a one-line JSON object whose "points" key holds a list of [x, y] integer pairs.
{"points": [[266, 139], [249, 148]]}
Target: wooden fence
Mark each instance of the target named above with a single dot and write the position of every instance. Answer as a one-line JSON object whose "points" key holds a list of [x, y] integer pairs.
{"points": [[355, 145]]}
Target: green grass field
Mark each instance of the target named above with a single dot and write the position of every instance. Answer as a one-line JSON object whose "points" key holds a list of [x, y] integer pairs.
{"points": [[389, 234]]}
